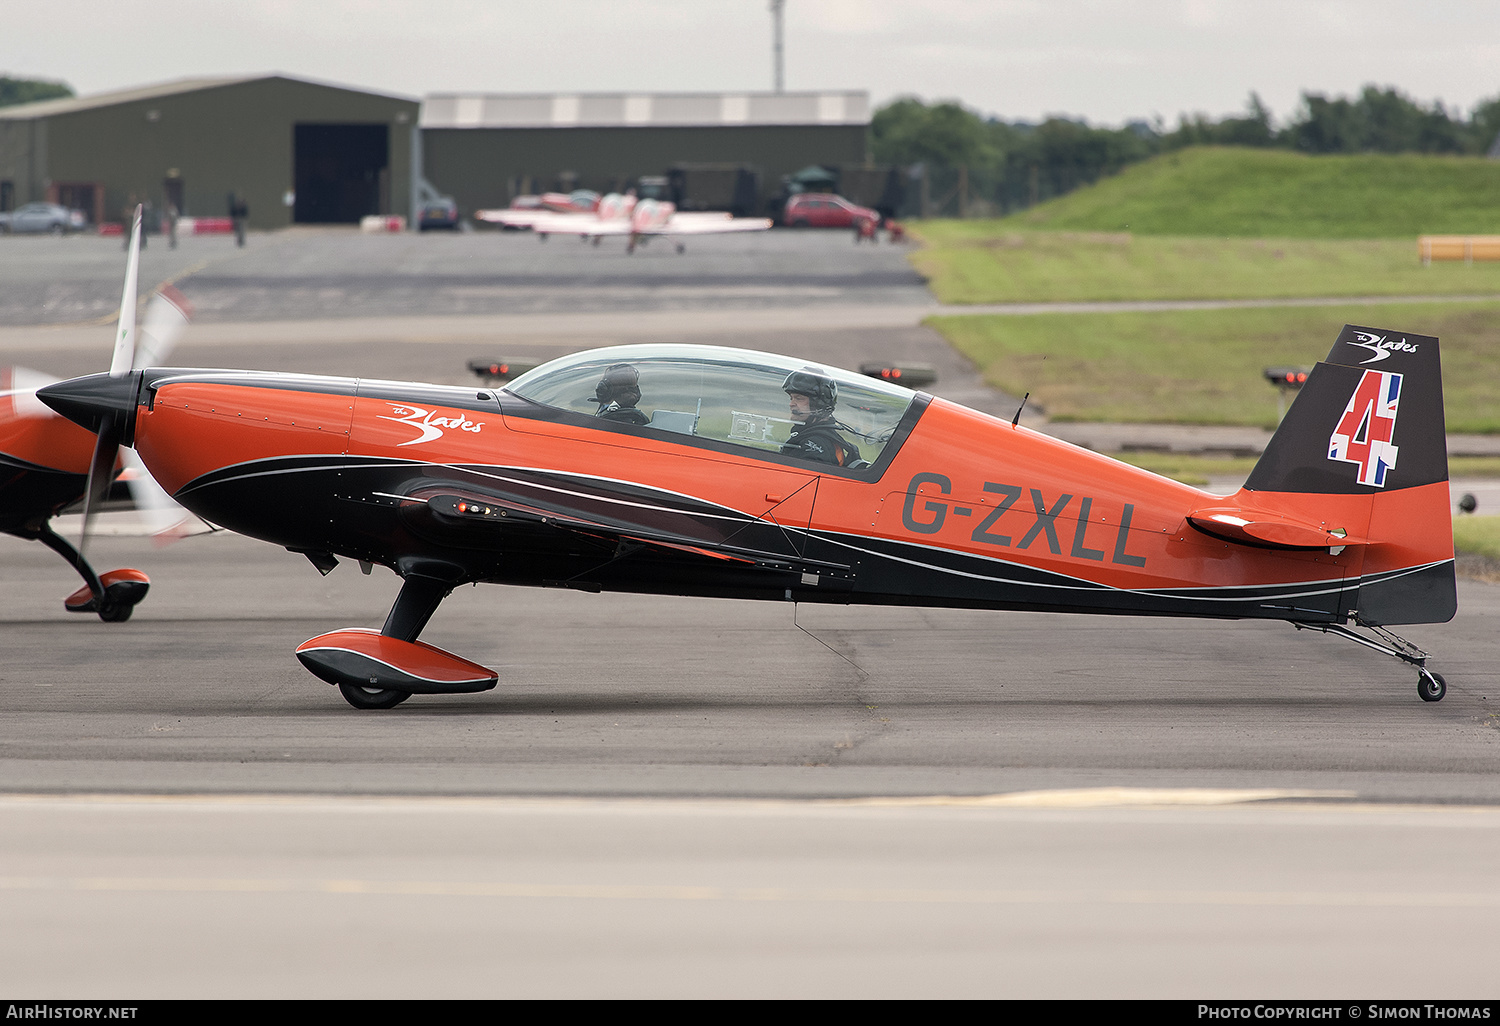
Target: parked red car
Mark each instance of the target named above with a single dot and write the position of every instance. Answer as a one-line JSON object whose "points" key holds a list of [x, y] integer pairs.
{"points": [[824, 210]]}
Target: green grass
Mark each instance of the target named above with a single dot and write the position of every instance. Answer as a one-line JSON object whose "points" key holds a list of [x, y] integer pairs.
{"points": [[980, 262], [1204, 366], [1474, 466], [1479, 535], [1226, 191], [1225, 223]]}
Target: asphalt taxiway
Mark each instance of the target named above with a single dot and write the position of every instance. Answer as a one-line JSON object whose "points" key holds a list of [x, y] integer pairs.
{"points": [[671, 797]]}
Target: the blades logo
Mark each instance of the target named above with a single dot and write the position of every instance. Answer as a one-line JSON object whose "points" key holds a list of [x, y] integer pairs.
{"points": [[1364, 432], [1380, 345], [428, 423]]}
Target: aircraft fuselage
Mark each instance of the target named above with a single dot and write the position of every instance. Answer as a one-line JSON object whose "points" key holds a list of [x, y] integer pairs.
{"points": [[961, 509]]}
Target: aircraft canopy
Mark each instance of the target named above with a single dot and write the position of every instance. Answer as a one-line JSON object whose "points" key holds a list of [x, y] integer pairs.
{"points": [[728, 395]]}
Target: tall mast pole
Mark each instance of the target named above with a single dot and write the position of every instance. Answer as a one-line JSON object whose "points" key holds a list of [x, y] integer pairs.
{"points": [[777, 9]]}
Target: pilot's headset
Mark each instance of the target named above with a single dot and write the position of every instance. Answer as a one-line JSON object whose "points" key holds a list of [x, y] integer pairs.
{"points": [[621, 383], [823, 391]]}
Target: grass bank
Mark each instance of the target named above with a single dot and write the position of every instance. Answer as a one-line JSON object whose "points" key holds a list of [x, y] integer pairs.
{"points": [[983, 262], [1228, 223], [1204, 366], [1255, 193]]}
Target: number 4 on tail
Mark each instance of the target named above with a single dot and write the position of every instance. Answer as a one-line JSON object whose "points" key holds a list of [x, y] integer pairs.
{"points": [[1365, 431]]}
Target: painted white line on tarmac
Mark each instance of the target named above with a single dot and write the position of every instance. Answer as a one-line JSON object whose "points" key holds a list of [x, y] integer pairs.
{"points": [[1061, 798], [797, 895]]}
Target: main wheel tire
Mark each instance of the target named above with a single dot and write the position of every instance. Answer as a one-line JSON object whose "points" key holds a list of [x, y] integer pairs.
{"points": [[372, 698], [1431, 687], [115, 612]]}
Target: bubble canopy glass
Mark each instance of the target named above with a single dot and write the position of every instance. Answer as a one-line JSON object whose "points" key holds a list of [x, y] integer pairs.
{"points": [[732, 396]]}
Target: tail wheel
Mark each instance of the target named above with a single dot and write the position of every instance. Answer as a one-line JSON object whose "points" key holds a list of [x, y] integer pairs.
{"points": [[372, 698], [1431, 687]]}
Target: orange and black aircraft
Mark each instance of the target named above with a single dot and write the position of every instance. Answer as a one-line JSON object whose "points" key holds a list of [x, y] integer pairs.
{"points": [[48, 463], [697, 470], [44, 464]]}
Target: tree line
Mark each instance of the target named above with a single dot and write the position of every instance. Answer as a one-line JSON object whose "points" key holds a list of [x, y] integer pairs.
{"points": [[960, 162], [28, 90]]}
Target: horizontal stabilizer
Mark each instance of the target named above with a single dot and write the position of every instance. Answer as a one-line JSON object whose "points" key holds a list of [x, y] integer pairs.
{"points": [[1268, 530]]}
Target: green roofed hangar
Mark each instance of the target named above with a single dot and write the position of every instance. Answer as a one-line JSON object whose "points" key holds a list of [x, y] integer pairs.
{"points": [[303, 152], [293, 150]]}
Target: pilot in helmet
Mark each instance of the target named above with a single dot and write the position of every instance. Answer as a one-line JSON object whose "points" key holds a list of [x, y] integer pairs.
{"points": [[617, 393], [812, 396]]}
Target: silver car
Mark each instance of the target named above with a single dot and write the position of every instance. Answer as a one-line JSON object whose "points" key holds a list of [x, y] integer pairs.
{"points": [[44, 218]]}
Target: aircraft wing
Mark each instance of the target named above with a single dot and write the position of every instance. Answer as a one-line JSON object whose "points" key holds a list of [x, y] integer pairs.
{"points": [[703, 215], [719, 226], [578, 224], [513, 218]]}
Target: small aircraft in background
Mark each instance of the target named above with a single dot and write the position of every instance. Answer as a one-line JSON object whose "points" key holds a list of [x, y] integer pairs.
{"points": [[523, 210], [624, 215], [48, 463], [707, 471]]}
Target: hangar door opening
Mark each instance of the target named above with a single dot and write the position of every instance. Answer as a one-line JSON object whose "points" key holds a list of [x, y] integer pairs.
{"points": [[342, 173]]}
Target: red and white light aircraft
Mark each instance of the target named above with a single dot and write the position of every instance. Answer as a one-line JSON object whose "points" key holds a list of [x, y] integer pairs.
{"points": [[527, 209], [624, 215]]}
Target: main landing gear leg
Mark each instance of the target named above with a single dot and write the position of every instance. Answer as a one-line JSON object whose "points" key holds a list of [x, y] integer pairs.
{"points": [[419, 599], [380, 670], [1431, 687], [112, 596]]}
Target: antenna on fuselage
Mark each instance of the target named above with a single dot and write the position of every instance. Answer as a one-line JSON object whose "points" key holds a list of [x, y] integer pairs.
{"points": [[1017, 418]]}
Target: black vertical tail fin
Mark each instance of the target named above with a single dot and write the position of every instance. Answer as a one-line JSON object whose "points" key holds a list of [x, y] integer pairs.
{"points": [[1369, 422], [1369, 419]]}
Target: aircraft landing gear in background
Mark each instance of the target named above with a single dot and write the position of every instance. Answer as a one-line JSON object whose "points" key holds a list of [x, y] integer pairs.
{"points": [[112, 595]]}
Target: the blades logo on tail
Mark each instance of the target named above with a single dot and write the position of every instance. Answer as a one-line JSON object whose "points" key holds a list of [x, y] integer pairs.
{"points": [[1365, 431], [1381, 345]]}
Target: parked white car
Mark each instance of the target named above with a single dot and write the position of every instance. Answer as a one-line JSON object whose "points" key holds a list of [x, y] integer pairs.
{"points": [[43, 218]]}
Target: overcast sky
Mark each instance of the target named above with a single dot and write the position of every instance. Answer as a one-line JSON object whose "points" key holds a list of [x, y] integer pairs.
{"points": [[1104, 60]]}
